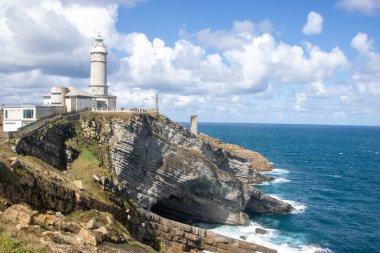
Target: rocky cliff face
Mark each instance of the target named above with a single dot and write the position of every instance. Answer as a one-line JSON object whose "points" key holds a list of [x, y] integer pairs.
{"points": [[48, 143], [87, 224], [174, 173], [162, 166], [244, 164]]}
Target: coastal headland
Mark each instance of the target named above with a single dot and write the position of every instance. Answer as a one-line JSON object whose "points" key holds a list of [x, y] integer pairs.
{"points": [[152, 176]]}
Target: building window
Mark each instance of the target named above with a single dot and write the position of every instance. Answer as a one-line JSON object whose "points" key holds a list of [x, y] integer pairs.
{"points": [[5, 114], [28, 114]]}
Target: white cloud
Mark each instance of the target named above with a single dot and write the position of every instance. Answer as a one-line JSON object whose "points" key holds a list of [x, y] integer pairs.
{"points": [[189, 69], [368, 7], [361, 43], [314, 24], [299, 105], [362, 94], [241, 33], [319, 89], [46, 43]]}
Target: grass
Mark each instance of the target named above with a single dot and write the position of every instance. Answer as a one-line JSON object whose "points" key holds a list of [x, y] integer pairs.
{"points": [[15, 243], [83, 168], [117, 115]]}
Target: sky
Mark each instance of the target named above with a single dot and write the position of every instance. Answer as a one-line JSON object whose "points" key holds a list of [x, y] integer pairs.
{"points": [[297, 62]]}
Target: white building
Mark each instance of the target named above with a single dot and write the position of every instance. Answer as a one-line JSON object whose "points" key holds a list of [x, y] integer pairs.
{"points": [[71, 98], [18, 116], [74, 99]]}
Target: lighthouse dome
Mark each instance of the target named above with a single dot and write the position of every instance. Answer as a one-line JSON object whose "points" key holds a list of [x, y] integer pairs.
{"points": [[98, 46]]}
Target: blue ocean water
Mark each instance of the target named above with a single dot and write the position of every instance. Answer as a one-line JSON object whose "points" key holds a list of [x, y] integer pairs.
{"points": [[330, 173]]}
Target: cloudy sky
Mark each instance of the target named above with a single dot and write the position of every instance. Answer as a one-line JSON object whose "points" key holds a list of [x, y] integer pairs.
{"points": [[314, 62]]}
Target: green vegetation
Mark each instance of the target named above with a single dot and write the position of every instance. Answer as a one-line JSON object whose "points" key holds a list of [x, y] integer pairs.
{"points": [[14, 243], [83, 168], [82, 216], [116, 115]]}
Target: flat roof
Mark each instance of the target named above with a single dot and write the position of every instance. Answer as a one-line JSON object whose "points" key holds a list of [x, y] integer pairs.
{"points": [[75, 92], [28, 106]]}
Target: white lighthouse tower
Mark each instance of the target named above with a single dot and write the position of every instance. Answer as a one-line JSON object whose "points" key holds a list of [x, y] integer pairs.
{"points": [[98, 77]]}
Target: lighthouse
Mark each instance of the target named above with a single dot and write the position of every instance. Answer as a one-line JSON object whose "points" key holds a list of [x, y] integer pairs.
{"points": [[74, 99], [98, 77]]}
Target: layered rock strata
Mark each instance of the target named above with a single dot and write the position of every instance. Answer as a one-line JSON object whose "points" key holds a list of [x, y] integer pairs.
{"points": [[46, 189], [48, 142], [162, 166], [243, 163], [176, 174]]}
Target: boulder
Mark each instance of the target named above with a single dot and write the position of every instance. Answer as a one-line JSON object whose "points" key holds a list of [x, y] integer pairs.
{"points": [[60, 238], [243, 237], [72, 227], [78, 184], [88, 237], [59, 215], [261, 231], [27, 179], [48, 220], [16, 163], [92, 224], [102, 233], [19, 214], [102, 230], [96, 178]]}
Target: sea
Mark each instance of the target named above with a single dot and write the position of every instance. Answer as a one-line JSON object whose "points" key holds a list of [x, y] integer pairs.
{"points": [[330, 174]]}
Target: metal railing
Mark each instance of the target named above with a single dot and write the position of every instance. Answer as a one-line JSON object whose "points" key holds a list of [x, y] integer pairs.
{"points": [[134, 109], [24, 130]]}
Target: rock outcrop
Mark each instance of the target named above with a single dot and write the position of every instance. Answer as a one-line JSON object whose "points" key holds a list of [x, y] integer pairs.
{"points": [[243, 163], [162, 166], [55, 234], [84, 228], [176, 174], [48, 142]]}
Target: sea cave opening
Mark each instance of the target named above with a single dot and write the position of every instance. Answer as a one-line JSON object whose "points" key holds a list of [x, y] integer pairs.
{"points": [[175, 208]]}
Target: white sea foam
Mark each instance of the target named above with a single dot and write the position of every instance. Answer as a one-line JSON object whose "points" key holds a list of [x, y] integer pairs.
{"points": [[272, 239], [264, 183], [276, 172], [275, 181], [299, 207], [335, 176], [281, 180]]}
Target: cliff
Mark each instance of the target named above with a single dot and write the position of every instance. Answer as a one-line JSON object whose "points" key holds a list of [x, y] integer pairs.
{"points": [[66, 217], [243, 163], [172, 172], [156, 163]]}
